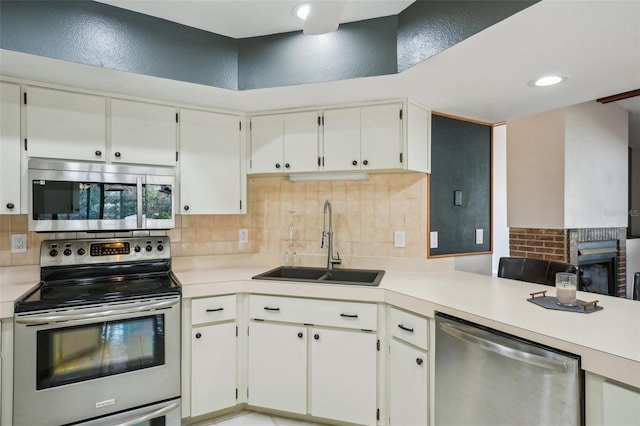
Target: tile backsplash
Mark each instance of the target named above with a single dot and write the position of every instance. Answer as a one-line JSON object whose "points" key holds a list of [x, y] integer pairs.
{"points": [[365, 216]]}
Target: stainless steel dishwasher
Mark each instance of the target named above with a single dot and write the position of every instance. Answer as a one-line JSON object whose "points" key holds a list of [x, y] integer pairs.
{"points": [[486, 377]]}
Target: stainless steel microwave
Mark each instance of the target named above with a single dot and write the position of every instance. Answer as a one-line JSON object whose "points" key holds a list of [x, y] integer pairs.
{"points": [[65, 196]]}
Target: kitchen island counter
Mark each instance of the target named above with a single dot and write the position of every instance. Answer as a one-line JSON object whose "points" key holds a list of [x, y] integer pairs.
{"points": [[607, 340]]}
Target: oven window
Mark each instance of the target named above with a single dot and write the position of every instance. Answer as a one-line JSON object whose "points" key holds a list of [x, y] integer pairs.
{"points": [[79, 353], [62, 200]]}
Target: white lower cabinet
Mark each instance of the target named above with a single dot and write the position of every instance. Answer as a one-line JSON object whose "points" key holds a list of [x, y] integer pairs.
{"points": [[213, 363], [213, 354], [408, 369], [277, 359], [408, 384], [328, 369], [343, 375]]}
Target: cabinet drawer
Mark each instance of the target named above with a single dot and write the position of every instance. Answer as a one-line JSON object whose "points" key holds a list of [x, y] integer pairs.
{"points": [[213, 309], [409, 327], [316, 312]]}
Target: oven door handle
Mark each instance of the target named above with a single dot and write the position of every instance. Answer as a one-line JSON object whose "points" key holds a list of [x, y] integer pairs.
{"points": [[92, 315], [150, 416]]}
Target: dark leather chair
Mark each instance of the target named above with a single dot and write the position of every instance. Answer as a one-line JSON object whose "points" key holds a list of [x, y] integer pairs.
{"points": [[537, 271], [636, 286]]}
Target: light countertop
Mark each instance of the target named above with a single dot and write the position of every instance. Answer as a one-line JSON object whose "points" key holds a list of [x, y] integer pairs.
{"points": [[608, 340]]}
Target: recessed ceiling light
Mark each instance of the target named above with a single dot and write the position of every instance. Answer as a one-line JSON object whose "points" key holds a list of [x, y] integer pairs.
{"points": [[548, 80], [301, 11]]}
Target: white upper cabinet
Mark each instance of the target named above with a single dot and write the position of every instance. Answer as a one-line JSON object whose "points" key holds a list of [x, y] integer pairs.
{"points": [[301, 142], [381, 136], [284, 143], [211, 169], [9, 148], [378, 136], [143, 133], [65, 125], [416, 150], [267, 143], [341, 139]]}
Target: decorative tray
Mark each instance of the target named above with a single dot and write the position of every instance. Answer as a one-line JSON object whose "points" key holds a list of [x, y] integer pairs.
{"points": [[550, 302]]}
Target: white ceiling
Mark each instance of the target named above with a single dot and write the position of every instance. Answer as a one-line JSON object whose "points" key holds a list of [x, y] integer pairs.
{"points": [[595, 43]]}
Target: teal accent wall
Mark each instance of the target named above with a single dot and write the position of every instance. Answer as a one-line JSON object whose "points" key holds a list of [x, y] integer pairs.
{"points": [[461, 161], [101, 35]]}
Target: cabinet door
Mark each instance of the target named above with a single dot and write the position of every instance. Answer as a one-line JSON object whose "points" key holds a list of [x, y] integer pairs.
{"points": [[408, 385], [267, 144], [381, 139], [213, 368], [142, 133], [210, 173], [343, 375], [65, 125], [301, 142], [277, 374], [342, 139], [9, 148]]}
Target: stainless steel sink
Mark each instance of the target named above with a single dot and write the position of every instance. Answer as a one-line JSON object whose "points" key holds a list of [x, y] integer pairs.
{"points": [[366, 277]]}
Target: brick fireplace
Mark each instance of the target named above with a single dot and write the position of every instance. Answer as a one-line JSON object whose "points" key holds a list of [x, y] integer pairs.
{"points": [[563, 245]]}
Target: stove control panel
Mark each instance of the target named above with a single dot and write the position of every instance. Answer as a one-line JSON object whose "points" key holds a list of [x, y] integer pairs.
{"points": [[106, 250]]}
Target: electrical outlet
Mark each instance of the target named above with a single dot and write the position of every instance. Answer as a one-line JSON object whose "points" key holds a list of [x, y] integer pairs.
{"points": [[243, 235], [18, 243], [433, 240], [479, 236], [398, 238]]}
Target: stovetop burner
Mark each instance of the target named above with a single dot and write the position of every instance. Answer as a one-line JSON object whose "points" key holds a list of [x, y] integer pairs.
{"points": [[85, 280]]}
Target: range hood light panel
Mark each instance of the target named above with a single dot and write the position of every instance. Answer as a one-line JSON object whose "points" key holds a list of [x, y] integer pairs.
{"points": [[308, 177]]}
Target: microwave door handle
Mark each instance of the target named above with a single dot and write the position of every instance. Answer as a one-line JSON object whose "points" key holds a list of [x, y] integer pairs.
{"points": [[150, 416], [38, 320], [139, 201]]}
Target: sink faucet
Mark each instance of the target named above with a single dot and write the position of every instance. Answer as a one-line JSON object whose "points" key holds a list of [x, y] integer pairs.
{"points": [[327, 236]]}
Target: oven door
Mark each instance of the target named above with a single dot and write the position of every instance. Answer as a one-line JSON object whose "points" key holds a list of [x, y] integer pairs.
{"points": [[101, 359], [163, 414]]}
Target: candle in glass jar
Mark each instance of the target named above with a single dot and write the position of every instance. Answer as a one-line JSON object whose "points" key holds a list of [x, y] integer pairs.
{"points": [[566, 296]]}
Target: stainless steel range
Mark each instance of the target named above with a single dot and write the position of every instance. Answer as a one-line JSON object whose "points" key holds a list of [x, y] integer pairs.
{"points": [[97, 341]]}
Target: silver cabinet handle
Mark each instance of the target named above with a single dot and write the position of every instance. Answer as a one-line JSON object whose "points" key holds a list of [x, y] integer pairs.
{"points": [[473, 336], [150, 416], [91, 315]]}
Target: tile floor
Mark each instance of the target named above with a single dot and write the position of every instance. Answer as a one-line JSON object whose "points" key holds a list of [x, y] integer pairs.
{"points": [[250, 418]]}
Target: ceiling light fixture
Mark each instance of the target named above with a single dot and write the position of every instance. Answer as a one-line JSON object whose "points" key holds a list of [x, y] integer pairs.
{"points": [[301, 10], [548, 80]]}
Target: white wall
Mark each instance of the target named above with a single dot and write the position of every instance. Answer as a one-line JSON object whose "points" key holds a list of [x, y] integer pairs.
{"points": [[596, 166], [633, 262], [500, 236], [535, 171]]}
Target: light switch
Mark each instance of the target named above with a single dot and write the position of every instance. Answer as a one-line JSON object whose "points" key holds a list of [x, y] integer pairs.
{"points": [[479, 236], [398, 239], [457, 198], [433, 239], [243, 236]]}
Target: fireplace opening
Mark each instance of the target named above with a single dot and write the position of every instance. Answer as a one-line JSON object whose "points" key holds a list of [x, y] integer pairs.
{"points": [[597, 265]]}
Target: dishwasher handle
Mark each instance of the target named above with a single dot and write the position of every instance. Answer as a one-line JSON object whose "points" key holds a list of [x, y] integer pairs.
{"points": [[471, 335]]}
